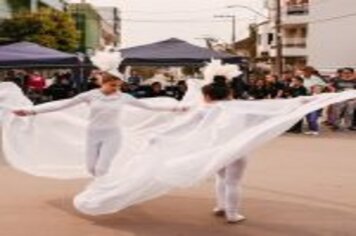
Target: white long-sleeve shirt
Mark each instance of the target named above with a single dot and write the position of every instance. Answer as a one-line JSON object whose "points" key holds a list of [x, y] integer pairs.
{"points": [[313, 81], [105, 110]]}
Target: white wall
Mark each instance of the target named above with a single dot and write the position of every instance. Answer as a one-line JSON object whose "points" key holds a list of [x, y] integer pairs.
{"points": [[263, 30], [5, 11], [332, 44]]}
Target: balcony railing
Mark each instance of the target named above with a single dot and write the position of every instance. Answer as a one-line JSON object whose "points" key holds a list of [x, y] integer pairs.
{"points": [[295, 42], [297, 9]]}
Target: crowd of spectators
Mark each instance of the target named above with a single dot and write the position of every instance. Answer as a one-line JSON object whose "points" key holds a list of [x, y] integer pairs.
{"points": [[136, 87], [301, 82], [41, 89]]}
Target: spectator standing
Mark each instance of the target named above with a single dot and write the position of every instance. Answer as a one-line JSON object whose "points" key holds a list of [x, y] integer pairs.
{"points": [[311, 78], [258, 90], [287, 78], [134, 90], [134, 78], [36, 85], [156, 90], [274, 88], [181, 89], [336, 77], [330, 119], [313, 117], [60, 89], [344, 111], [239, 87], [297, 89]]}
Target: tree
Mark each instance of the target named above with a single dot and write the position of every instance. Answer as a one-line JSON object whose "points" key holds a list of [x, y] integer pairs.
{"points": [[16, 5], [46, 27]]}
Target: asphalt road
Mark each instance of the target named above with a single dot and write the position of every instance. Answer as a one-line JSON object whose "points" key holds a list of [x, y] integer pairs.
{"points": [[296, 185]]}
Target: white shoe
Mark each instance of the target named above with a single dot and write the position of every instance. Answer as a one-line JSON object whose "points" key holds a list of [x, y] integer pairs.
{"points": [[234, 218], [219, 212]]}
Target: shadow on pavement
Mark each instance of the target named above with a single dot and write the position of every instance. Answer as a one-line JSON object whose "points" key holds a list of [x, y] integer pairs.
{"points": [[191, 216]]}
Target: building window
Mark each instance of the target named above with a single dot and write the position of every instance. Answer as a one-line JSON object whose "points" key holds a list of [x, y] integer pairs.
{"points": [[297, 7], [295, 37], [270, 38]]}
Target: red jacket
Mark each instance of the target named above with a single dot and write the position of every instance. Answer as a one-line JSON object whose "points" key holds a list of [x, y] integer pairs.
{"points": [[36, 83]]}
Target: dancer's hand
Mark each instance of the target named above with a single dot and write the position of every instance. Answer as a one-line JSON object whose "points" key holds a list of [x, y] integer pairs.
{"points": [[23, 113]]}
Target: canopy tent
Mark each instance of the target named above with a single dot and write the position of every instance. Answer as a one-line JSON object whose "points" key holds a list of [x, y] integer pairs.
{"points": [[25, 54], [174, 52]]}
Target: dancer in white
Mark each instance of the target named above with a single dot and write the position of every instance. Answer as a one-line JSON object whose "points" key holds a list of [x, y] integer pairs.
{"points": [[173, 153], [228, 179], [103, 136], [228, 191]]}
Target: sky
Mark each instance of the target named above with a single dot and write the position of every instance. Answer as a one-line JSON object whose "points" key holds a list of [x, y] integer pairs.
{"points": [[146, 21]]}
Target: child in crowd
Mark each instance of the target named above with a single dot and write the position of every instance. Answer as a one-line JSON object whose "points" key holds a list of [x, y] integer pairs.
{"points": [[313, 117], [297, 89]]}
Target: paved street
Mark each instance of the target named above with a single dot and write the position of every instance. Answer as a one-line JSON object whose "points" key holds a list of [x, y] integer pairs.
{"points": [[296, 185]]}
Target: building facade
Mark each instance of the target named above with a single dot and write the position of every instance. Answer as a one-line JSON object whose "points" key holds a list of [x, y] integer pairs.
{"points": [[314, 32], [96, 29], [111, 24], [9, 7], [331, 36], [295, 18]]}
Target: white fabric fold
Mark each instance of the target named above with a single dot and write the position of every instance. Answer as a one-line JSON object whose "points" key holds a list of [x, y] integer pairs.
{"points": [[160, 151]]}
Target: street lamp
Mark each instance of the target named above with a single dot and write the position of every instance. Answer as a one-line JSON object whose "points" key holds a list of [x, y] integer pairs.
{"points": [[278, 33], [233, 20]]}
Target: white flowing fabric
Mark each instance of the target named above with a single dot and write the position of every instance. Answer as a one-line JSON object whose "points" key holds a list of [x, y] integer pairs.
{"points": [[160, 151], [53, 144]]}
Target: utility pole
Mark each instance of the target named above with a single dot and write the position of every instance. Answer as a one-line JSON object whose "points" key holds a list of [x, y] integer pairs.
{"points": [[279, 40], [233, 30], [116, 26], [233, 21]]}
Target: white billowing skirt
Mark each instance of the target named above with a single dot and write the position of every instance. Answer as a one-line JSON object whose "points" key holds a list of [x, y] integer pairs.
{"points": [[160, 151]]}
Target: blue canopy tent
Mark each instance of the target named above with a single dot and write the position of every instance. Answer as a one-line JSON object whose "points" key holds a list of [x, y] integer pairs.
{"points": [[174, 52], [31, 55]]}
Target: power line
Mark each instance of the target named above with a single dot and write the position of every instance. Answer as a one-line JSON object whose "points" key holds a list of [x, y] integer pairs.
{"points": [[173, 12], [335, 18], [200, 20], [145, 20], [173, 21], [207, 9]]}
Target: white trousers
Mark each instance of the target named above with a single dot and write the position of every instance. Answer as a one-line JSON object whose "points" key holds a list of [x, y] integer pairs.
{"points": [[228, 186], [101, 148]]}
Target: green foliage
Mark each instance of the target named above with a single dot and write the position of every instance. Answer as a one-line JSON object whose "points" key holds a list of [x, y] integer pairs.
{"points": [[16, 5], [47, 27]]}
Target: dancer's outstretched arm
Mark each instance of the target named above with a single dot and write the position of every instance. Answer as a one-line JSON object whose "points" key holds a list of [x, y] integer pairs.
{"points": [[157, 107], [53, 106]]}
